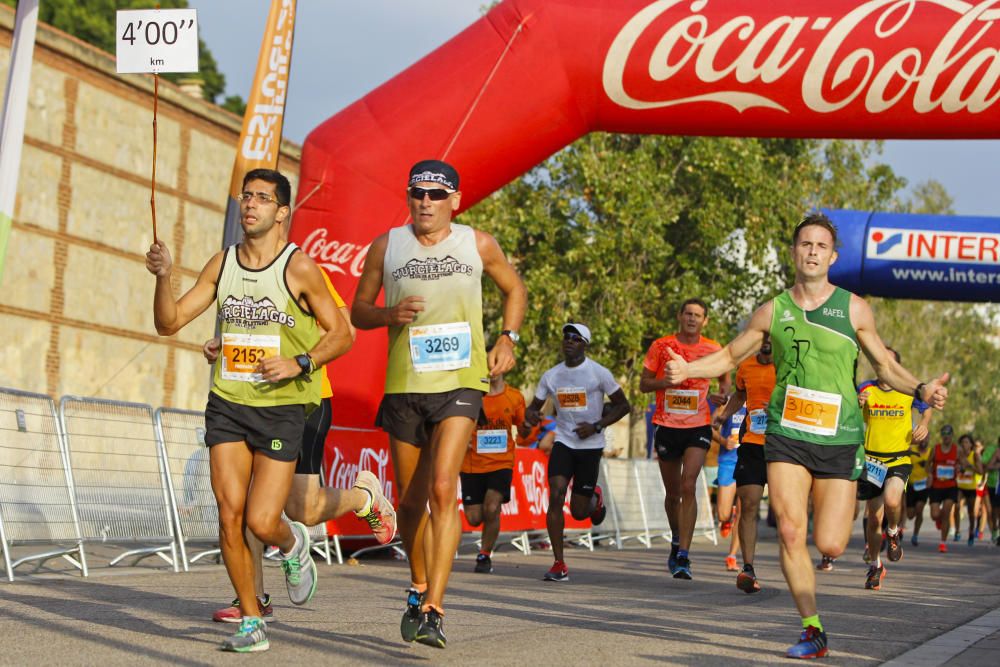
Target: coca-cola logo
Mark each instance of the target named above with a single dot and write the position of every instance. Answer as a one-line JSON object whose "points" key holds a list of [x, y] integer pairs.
{"points": [[960, 73], [335, 256], [343, 472], [535, 487]]}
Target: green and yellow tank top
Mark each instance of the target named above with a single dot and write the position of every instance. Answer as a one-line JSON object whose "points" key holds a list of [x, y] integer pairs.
{"points": [[815, 356], [443, 349], [259, 318]]}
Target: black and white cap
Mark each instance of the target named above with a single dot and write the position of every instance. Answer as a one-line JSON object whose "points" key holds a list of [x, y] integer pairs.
{"points": [[434, 171], [577, 328]]}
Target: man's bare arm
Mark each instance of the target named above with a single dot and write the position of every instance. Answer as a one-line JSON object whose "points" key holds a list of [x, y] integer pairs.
{"points": [[170, 316]]}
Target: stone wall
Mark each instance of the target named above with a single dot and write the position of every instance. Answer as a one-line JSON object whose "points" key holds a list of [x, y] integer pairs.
{"points": [[75, 298]]}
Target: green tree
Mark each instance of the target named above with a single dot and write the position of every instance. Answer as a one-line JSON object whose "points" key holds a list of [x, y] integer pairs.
{"points": [[617, 230], [93, 21]]}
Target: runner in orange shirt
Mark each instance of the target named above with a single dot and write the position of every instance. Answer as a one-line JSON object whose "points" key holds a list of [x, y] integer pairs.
{"points": [[683, 434], [754, 383], [489, 465]]}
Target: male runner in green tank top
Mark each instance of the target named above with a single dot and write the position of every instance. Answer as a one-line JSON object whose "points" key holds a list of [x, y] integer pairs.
{"points": [[272, 301], [813, 443], [437, 372]]}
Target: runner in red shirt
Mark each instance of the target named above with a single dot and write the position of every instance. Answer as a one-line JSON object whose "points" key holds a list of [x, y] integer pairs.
{"points": [[683, 434], [942, 469]]}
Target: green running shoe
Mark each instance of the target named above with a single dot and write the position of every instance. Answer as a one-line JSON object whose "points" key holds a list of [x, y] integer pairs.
{"points": [[431, 630], [299, 568], [411, 615]]}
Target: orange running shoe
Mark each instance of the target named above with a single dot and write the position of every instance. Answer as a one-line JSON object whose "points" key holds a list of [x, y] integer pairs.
{"points": [[943, 548], [731, 564]]}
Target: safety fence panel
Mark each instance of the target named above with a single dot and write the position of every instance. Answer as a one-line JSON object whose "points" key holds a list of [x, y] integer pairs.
{"points": [[182, 433], [121, 486], [634, 493], [36, 497]]}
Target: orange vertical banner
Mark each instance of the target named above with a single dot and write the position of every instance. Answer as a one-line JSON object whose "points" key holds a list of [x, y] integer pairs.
{"points": [[260, 140]]}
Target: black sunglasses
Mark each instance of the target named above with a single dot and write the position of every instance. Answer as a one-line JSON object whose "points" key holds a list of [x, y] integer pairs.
{"points": [[576, 338], [436, 194]]}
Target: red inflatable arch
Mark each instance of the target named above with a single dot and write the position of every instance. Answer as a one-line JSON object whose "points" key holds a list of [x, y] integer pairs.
{"points": [[533, 75]]}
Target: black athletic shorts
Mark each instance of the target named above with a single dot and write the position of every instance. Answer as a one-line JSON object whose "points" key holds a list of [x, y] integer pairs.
{"points": [[314, 439], [822, 461], [580, 465], [276, 431], [938, 496], [670, 443], [476, 484], [969, 495], [751, 468], [412, 417], [867, 490], [914, 496], [994, 496]]}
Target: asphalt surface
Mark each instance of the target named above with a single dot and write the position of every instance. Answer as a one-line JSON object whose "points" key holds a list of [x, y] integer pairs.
{"points": [[619, 607]]}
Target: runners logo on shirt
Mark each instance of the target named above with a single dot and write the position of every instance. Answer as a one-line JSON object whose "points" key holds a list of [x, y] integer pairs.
{"points": [[432, 268], [246, 313]]}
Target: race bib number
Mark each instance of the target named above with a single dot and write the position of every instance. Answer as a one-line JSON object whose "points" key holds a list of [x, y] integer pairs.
{"points": [[944, 472], [441, 347], [491, 441], [241, 353], [680, 401], [811, 411], [920, 485], [758, 421], [967, 479], [875, 471], [572, 399]]}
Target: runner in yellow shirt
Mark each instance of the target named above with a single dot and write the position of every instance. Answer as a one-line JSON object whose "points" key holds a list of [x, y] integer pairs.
{"points": [[889, 431], [918, 488]]}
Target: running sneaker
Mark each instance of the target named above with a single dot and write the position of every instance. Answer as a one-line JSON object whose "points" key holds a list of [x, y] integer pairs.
{"points": [[826, 564], [299, 568], [672, 560], [894, 551], [725, 528], [683, 568], [731, 565], [914, 541], [249, 638], [431, 630], [232, 613], [600, 511], [956, 538], [972, 541], [942, 548], [558, 572], [876, 573], [746, 580], [484, 564], [812, 644], [380, 515], [411, 615]]}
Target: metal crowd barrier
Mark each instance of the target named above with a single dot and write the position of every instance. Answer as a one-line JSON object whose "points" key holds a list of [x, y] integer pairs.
{"points": [[36, 499], [196, 514], [119, 477], [634, 495]]}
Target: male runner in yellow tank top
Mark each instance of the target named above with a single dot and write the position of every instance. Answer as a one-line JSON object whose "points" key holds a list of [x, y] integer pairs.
{"points": [[814, 426], [272, 302], [437, 372]]}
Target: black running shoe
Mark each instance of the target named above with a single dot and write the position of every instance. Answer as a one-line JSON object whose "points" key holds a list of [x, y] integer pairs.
{"points": [[746, 580], [411, 616], [894, 551], [683, 568], [876, 573], [431, 630], [484, 564]]}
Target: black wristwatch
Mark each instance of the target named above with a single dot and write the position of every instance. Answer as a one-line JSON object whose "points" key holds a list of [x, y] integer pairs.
{"points": [[513, 335], [305, 363], [598, 427]]}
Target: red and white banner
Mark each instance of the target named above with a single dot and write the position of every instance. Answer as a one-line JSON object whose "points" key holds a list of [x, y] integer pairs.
{"points": [[349, 451], [533, 75]]}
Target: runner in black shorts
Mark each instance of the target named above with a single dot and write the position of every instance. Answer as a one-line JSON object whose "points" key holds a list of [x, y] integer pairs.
{"points": [[578, 386]]}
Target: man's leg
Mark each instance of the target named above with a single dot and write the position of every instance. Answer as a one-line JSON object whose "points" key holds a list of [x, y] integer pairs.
{"points": [[490, 518], [687, 515], [749, 496], [918, 519], [726, 502], [449, 443], [412, 470], [312, 504], [231, 465], [945, 513], [893, 497], [555, 522], [790, 490], [670, 472], [873, 529]]}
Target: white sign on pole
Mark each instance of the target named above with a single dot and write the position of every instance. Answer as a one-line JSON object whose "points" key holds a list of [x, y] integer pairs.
{"points": [[157, 40]]}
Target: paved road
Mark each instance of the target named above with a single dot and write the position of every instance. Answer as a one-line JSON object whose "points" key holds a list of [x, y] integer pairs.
{"points": [[619, 607]]}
